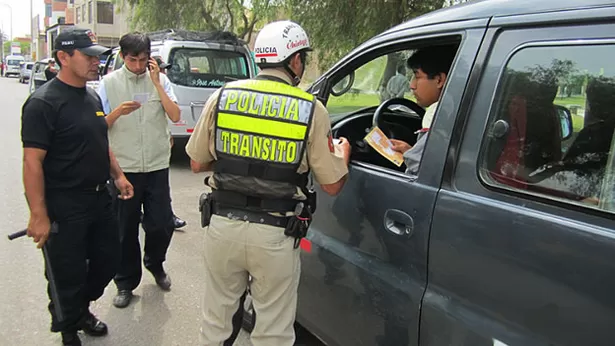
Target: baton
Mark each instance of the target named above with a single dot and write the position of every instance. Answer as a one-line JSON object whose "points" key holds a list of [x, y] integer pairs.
{"points": [[55, 298], [18, 234]]}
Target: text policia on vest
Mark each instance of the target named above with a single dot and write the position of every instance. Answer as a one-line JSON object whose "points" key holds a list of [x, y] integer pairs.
{"points": [[264, 126]]}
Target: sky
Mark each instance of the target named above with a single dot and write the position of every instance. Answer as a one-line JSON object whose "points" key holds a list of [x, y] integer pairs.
{"points": [[21, 15]]}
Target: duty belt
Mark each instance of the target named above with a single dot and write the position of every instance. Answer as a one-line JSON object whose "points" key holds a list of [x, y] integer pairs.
{"points": [[249, 216]]}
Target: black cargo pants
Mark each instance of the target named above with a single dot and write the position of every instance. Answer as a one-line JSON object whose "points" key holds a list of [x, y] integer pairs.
{"points": [[151, 192], [83, 253]]}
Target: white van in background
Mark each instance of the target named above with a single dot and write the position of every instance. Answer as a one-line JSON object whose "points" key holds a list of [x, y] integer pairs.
{"points": [[13, 65], [201, 62]]}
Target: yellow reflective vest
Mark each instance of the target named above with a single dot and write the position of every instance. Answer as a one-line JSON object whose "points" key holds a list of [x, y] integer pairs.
{"points": [[261, 132]]}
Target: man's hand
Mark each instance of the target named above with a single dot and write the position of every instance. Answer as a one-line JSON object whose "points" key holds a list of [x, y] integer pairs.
{"points": [[124, 187], [344, 147], [154, 71], [38, 228], [400, 146], [128, 107]]}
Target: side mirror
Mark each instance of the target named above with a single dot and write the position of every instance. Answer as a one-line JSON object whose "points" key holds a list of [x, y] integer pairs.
{"points": [[565, 119], [342, 87]]}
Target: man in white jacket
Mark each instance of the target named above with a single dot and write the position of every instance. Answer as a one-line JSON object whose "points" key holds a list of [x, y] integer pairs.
{"points": [[137, 100]]}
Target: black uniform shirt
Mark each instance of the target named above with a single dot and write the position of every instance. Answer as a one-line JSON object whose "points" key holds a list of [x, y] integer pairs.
{"points": [[69, 124]]}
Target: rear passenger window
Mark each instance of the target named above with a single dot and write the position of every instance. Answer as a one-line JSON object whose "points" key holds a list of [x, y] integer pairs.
{"points": [[553, 124]]}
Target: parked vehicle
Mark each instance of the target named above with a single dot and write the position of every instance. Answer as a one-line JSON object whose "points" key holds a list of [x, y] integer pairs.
{"points": [[201, 62], [25, 71], [38, 77], [506, 234], [13, 65]]}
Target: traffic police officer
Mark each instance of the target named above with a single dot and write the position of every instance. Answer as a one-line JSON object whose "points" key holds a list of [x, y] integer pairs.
{"points": [[264, 135], [66, 164]]}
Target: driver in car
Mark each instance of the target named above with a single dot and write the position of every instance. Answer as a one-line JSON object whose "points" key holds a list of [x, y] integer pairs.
{"points": [[430, 66]]}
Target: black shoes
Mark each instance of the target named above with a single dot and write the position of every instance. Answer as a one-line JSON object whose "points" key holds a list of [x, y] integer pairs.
{"points": [[122, 299], [90, 325], [93, 326], [70, 339], [177, 222], [163, 281]]}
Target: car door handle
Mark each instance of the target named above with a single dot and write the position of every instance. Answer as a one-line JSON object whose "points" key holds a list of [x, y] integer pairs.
{"points": [[195, 104], [398, 222]]}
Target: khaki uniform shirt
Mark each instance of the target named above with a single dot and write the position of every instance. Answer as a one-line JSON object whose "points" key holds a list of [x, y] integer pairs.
{"points": [[322, 157]]}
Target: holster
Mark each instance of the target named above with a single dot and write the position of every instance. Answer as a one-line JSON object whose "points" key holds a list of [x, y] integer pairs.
{"points": [[298, 225], [206, 208], [311, 200]]}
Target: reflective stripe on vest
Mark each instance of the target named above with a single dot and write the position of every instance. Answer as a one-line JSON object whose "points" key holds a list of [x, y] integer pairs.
{"points": [[263, 120]]}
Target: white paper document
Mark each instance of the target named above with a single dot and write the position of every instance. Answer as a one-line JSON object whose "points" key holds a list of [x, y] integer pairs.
{"points": [[140, 97]]}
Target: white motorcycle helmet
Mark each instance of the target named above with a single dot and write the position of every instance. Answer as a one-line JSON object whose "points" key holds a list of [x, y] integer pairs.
{"points": [[277, 42]]}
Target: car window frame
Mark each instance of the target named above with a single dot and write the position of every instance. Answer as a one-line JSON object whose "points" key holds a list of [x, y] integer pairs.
{"points": [[371, 53], [493, 113], [244, 58]]}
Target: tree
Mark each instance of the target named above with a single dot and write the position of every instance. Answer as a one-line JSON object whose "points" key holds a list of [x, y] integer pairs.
{"points": [[237, 16], [25, 47], [336, 27]]}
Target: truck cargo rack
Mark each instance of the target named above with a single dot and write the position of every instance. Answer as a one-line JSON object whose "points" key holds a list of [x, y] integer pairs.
{"points": [[222, 37]]}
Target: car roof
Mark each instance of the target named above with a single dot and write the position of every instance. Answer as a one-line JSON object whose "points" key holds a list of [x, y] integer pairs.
{"points": [[496, 8]]}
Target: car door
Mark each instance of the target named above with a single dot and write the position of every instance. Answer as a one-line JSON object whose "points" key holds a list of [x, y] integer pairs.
{"points": [[364, 265], [522, 248]]}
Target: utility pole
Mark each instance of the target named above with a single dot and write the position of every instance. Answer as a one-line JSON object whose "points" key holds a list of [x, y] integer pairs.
{"points": [[32, 34]]}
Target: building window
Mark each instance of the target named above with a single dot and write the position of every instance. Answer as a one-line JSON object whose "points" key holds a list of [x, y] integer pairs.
{"points": [[48, 10], [554, 125], [77, 15], [83, 13], [90, 12], [104, 13]]}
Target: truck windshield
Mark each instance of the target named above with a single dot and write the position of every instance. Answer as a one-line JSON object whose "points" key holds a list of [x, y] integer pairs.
{"points": [[12, 62], [206, 68]]}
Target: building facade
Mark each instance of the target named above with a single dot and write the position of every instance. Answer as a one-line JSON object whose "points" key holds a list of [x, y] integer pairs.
{"points": [[103, 18]]}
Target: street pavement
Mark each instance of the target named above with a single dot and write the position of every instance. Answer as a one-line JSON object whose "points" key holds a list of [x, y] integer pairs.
{"points": [[153, 318]]}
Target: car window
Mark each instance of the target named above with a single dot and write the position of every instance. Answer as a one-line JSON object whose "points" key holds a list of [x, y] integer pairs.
{"points": [[39, 67], [115, 62], [29, 66], [372, 83], [13, 62], [553, 125], [206, 68]]}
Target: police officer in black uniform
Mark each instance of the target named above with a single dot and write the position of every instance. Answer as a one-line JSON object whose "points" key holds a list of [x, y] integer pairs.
{"points": [[66, 164]]}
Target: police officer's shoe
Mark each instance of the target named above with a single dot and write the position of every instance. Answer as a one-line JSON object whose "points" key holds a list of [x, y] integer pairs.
{"points": [[122, 299], [93, 326], [70, 339], [163, 280], [178, 223]]}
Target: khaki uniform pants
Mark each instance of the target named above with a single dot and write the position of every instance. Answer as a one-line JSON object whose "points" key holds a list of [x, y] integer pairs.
{"points": [[232, 250]]}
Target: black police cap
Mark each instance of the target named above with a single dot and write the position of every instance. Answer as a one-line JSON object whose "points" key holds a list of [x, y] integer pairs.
{"points": [[82, 40]]}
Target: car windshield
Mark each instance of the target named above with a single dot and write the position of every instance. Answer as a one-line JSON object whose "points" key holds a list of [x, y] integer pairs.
{"points": [[12, 62], [206, 68]]}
